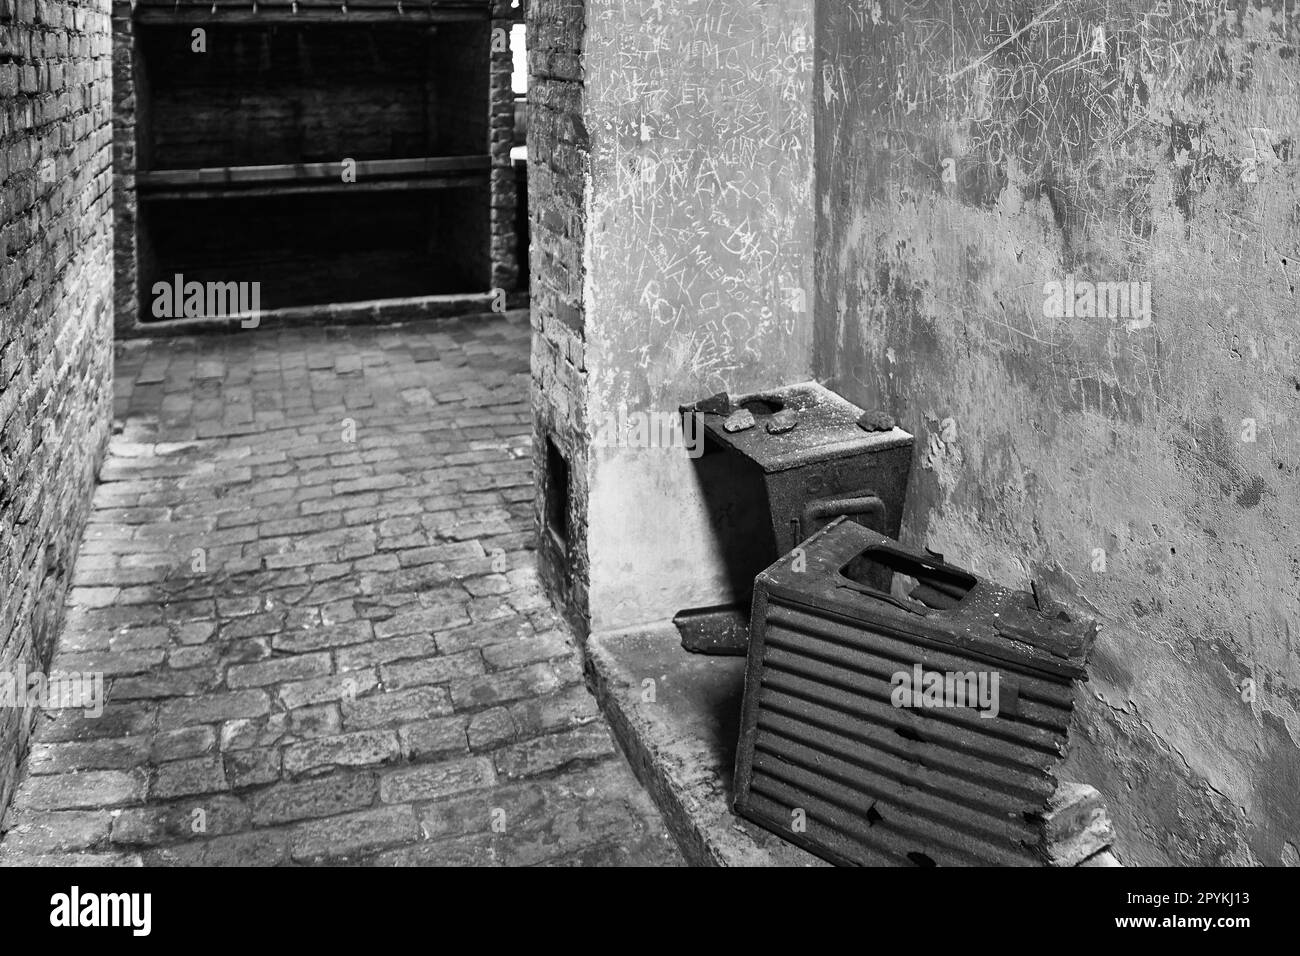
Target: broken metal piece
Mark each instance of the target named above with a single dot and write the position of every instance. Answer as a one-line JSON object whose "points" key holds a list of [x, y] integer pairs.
{"points": [[719, 404], [877, 420], [714, 630], [782, 422], [738, 421]]}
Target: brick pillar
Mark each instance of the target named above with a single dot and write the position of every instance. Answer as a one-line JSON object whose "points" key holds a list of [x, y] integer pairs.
{"points": [[126, 301], [557, 169], [501, 125]]}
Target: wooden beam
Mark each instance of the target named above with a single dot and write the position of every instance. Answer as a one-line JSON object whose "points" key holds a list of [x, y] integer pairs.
{"points": [[367, 172], [317, 188], [390, 13]]}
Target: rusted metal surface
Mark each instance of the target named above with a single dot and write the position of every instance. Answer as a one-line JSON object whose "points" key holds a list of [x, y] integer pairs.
{"points": [[722, 630], [828, 756], [817, 464]]}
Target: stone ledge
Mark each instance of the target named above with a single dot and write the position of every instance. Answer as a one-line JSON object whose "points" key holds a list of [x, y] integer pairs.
{"points": [[682, 743], [679, 734]]}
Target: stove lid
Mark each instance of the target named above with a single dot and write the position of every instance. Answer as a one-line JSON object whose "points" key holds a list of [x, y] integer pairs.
{"points": [[825, 427]]}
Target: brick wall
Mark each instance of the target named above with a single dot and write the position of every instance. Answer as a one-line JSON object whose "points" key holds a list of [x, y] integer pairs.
{"points": [[55, 318], [557, 162], [501, 137], [127, 101]]}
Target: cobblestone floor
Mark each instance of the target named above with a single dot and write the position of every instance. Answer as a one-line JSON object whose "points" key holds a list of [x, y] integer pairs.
{"points": [[307, 581]]}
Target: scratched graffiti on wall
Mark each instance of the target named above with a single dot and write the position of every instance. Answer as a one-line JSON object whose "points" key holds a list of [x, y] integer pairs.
{"points": [[976, 158], [702, 212]]}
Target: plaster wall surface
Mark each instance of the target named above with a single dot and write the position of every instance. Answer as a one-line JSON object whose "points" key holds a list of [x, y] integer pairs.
{"points": [[698, 263], [1141, 465]]}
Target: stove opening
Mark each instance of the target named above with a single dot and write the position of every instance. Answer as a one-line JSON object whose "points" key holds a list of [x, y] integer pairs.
{"points": [[936, 586], [557, 493], [763, 407]]}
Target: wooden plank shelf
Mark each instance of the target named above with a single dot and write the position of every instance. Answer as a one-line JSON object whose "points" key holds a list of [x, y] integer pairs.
{"points": [[289, 178], [303, 11]]}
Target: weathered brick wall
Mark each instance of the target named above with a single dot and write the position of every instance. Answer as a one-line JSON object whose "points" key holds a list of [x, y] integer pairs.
{"points": [[501, 137], [557, 163], [125, 209], [55, 315]]}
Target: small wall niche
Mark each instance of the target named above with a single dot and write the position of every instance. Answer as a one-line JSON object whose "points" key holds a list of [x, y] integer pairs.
{"points": [[557, 493]]}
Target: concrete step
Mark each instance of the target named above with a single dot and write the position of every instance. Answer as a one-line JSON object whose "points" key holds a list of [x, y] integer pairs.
{"points": [[676, 716]]}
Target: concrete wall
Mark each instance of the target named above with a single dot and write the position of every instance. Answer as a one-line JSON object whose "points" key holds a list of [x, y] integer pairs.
{"points": [[699, 263], [969, 154], [55, 319]]}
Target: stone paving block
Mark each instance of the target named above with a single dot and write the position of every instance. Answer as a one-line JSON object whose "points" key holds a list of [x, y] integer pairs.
{"points": [[491, 728], [505, 686], [211, 708], [278, 670], [466, 851], [310, 639], [259, 848], [434, 738], [209, 816], [390, 708], [528, 650], [411, 647], [44, 860], [550, 752], [112, 753], [181, 743], [86, 789], [47, 832], [183, 778], [250, 768], [337, 793], [432, 670], [354, 833], [429, 781], [323, 690], [360, 749]]}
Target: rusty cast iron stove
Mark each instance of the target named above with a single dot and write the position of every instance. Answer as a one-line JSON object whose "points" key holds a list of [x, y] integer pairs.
{"points": [[808, 457], [900, 710]]}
